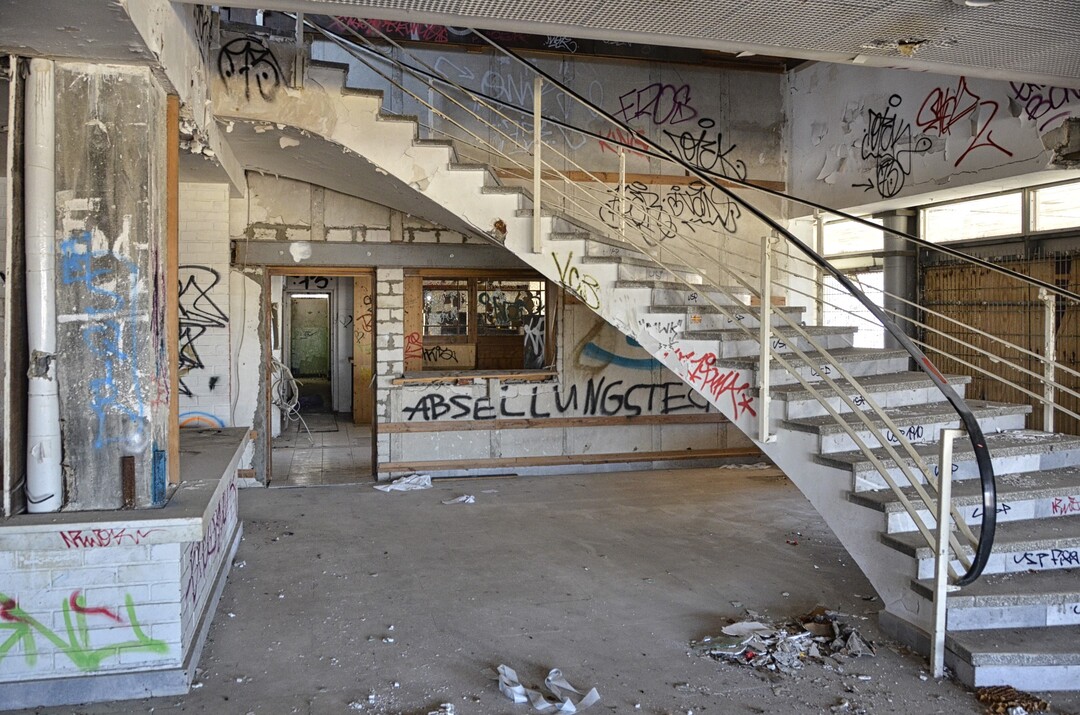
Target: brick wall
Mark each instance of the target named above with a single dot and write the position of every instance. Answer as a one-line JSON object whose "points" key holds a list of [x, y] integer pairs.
{"points": [[206, 377], [389, 346]]}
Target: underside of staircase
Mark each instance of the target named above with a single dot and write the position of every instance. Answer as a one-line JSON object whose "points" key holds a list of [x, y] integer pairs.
{"points": [[1017, 625]]}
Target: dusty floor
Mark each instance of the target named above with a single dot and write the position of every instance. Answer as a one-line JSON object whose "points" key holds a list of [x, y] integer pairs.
{"points": [[343, 593]]}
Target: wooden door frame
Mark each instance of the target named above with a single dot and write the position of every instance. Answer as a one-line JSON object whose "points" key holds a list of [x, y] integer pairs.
{"points": [[285, 272]]}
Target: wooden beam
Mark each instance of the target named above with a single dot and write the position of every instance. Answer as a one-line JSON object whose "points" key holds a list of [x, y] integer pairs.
{"points": [[172, 278], [553, 423], [568, 459], [612, 177]]}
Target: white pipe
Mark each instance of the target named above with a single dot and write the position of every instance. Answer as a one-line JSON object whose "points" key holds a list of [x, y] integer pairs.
{"points": [[44, 485]]}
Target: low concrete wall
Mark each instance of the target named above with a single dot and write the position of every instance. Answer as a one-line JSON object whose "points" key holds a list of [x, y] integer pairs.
{"points": [[117, 604]]}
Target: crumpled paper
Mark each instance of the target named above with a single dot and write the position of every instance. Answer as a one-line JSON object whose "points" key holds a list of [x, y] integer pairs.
{"points": [[512, 688], [408, 483], [464, 499]]}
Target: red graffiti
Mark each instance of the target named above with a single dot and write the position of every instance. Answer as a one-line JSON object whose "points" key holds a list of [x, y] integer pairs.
{"points": [[622, 136], [1060, 507], [703, 373], [78, 604], [6, 608], [414, 347], [944, 107], [200, 555], [97, 538]]}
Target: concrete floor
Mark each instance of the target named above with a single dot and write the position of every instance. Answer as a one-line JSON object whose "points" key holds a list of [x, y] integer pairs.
{"points": [[605, 576]]}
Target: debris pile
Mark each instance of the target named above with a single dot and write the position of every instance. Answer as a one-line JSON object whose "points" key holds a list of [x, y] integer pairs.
{"points": [[1007, 700], [818, 636]]}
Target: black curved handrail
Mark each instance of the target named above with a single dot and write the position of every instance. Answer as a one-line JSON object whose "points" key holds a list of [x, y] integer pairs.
{"points": [[929, 245], [975, 434]]}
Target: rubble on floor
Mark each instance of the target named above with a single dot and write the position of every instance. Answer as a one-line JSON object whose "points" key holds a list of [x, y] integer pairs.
{"points": [[819, 636], [1007, 700]]}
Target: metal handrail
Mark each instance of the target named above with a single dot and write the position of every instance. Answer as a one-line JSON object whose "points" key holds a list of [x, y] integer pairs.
{"points": [[879, 314], [978, 441]]}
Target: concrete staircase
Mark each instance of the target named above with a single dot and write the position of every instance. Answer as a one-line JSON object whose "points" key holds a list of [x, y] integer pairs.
{"points": [[1018, 625]]}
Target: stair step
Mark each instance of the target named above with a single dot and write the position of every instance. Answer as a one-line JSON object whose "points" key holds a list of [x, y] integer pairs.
{"points": [[1031, 659], [1027, 495], [736, 342], [646, 271], [1030, 600], [734, 316], [1019, 546], [1013, 452], [887, 390], [918, 423], [858, 362]]}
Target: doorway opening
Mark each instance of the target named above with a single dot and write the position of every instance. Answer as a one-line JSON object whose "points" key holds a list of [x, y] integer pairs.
{"points": [[320, 402]]}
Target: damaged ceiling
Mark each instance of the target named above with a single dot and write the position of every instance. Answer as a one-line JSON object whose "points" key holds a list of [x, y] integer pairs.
{"points": [[1012, 39], [98, 30]]}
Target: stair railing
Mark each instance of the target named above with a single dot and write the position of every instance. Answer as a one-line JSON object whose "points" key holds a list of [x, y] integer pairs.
{"points": [[821, 357]]}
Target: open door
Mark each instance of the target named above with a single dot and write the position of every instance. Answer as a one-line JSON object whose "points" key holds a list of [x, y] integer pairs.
{"points": [[363, 366]]}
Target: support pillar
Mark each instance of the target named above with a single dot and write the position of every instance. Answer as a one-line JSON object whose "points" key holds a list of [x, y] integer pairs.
{"points": [[901, 271]]}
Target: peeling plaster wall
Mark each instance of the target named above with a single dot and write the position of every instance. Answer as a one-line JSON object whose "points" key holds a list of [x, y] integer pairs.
{"points": [[112, 361], [867, 136], [286, 210]]}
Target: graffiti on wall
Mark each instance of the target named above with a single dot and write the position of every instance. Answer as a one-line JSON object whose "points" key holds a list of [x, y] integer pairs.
{"points": [[201, 555], [703, 372], [658, 217], [1045, 104], [198, 314], [582, 285], [104, 538], [250, 64], [887, 146], [109, 282], [597, 397], [81, 624], [945, 107]]}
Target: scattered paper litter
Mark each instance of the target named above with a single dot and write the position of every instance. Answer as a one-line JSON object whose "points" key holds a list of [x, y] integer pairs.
{"points": [[818, 636], [512, 688], [408, 483], [465, 499]]}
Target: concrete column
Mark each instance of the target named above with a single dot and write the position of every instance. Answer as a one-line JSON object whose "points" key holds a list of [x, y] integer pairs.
{"points": [[901, 271], [110, 293]]}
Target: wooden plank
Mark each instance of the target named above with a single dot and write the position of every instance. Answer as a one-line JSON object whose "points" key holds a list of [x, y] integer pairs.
{"points": [[553, 423], [172, 278], [363, 350], [468, 377], [612, 177], [568, 459], [440, 356], [414, 323]]}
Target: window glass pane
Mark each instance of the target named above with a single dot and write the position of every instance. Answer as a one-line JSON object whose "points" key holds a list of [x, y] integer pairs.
{"points": [[505, 307], [978, 218], [446, 307], [1057, 207], [850, 237]]}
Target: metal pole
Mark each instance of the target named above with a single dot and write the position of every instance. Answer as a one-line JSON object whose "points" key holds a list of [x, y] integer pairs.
{"points": [[298, 64], [538, 89], [1049, 357], [765, 336], [941, 555]]}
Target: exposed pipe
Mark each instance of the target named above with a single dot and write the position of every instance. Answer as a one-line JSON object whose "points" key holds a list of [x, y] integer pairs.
{"points": [[44, 485]]}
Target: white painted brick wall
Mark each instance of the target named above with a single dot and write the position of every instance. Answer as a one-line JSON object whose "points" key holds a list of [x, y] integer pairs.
{"points": [[201, 561], [46, 590], [204, 257]]}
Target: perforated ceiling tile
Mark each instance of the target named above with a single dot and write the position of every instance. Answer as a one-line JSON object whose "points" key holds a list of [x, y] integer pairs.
{"points": [[1040, 37]]}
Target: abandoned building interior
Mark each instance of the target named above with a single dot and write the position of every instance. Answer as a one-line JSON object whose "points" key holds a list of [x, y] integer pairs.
{"points": [[326, 242]]}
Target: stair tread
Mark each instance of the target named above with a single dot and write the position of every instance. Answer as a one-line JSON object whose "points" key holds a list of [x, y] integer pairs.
{"points": [[1051, 587], [825, 424], [1013, 442], [1049, 645], [910, 380], [780, 331], [661, 308], [676, 285], [1064, 481], [839, 355], [1023, 535]]}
